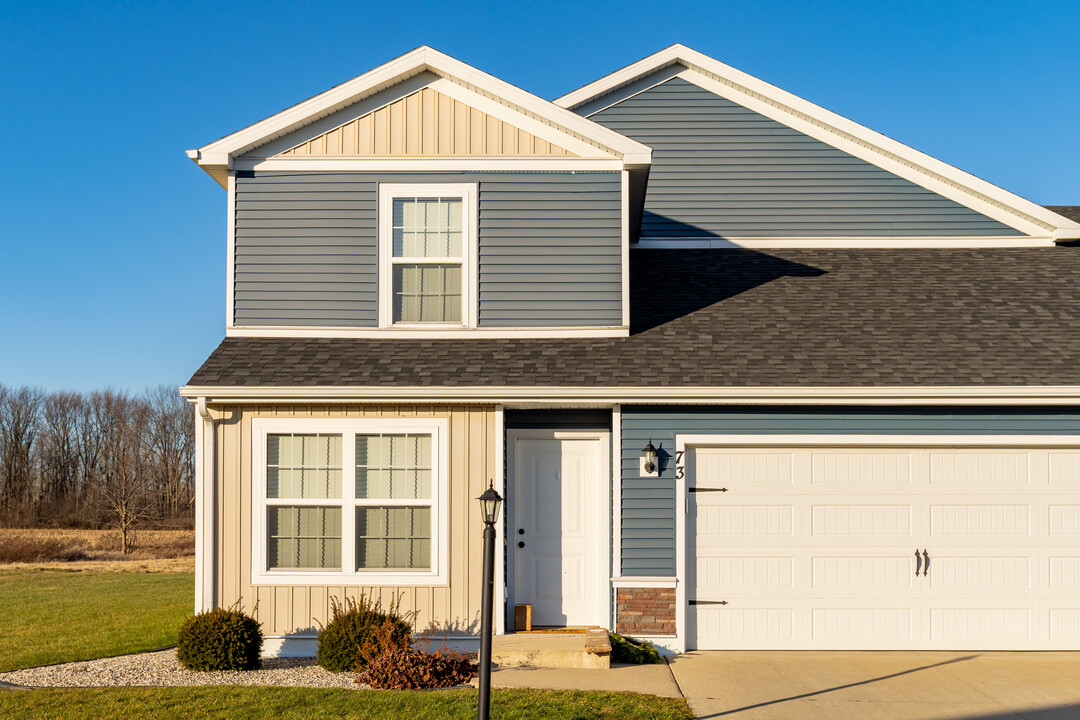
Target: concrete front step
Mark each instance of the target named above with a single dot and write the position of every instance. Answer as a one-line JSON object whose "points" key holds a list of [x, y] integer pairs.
{"points": [[552, 650]]}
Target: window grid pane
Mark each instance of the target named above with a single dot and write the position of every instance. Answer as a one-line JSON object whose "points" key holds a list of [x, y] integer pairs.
{"points": [[393, 538], [427, 293], [304, 538], [393, 467], [427, 227], [303, 466]]}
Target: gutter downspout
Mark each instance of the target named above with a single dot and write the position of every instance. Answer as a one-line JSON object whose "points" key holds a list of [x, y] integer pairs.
{"points": [[205, 509]]}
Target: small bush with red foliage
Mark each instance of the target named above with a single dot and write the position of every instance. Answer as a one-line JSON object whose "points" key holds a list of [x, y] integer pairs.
{"points": [[394, 665]]}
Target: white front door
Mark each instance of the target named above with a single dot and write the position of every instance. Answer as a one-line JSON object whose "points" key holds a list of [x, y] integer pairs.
{"points": [[815, 548], [555, 535]]}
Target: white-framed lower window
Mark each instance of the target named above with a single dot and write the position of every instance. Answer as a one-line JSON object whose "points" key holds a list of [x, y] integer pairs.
{"points": [[427, 255], [359, 501]]}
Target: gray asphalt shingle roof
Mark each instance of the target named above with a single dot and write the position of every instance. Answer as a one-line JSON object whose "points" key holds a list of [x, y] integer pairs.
{"points": [[732, 318]]}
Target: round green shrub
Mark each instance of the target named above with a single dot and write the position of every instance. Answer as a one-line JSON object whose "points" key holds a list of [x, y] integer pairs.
{"points": [[220, 639], [352, 630]]}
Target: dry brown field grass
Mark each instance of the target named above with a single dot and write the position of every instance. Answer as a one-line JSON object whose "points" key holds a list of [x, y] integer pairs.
{"points": [[96, 550]]}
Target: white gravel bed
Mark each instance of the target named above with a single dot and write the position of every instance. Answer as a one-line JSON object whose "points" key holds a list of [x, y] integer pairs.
{"points": [[162, 669]]}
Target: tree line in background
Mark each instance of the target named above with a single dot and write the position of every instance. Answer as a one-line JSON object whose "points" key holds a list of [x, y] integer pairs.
{"points": [[106, 458]]}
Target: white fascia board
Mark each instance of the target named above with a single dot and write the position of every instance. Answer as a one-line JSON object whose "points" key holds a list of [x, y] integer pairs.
{"points": [[814, 440], [398, 332], [840, 132], [573, 396], [866, 243], [505, 96]]}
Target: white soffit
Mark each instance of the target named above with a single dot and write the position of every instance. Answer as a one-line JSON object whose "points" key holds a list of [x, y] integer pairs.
{"points": [[831, 128], [507, 102]]}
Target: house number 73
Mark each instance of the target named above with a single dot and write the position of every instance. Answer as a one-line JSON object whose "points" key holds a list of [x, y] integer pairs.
{"points": [[680, 469]]}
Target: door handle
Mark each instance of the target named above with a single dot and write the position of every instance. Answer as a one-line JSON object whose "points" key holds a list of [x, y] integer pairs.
{"points": [[926, 563], [918, 562]]}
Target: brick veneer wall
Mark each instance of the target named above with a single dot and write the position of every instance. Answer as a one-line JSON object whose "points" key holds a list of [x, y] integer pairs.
{"points": [[645, 611]]}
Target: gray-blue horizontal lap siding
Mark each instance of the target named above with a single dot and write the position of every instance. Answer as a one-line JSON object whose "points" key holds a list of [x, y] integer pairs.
{"points": [[649, 504], [306, 251], [721, 170]]}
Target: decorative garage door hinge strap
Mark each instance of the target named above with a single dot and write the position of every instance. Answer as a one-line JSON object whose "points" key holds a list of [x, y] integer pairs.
{"points": [[708, 602], [701, 489]]}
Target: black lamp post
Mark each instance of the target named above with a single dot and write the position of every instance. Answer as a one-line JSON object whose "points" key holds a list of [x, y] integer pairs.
{"points": [[490, 501]]}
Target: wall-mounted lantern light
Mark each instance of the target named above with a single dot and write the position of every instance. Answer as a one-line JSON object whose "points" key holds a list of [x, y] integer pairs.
{"points": [[649, 453]]}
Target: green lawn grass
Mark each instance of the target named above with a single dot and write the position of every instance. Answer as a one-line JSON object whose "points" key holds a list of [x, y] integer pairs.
{"points": [[237, 703], [53, 616]]}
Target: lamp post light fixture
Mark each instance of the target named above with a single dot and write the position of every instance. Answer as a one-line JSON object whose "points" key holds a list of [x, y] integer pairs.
{"points": [[490, 502], [650, 457]]}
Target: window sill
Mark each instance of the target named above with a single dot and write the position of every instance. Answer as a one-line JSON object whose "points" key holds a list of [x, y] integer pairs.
{"points": [[376, 579]]}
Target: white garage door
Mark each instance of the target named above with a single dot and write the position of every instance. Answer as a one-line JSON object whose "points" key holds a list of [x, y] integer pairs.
{"points": [[883, 548]]}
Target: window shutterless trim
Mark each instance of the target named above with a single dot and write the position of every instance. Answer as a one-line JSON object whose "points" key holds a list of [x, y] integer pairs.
{"points": [[438, 428], [469, 195]]}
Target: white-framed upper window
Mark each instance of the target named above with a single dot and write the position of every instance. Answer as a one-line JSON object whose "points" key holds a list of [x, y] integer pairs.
{"points": [[338, 500], [427, 255]]}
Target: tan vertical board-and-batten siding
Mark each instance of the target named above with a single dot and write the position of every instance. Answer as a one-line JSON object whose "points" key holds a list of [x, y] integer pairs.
{"points": [[425, 124], [288, 609]]}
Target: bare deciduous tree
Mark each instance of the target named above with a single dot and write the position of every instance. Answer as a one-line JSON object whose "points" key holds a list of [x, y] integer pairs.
{"points": [[103, 458], [123, 493], [19, 424]]}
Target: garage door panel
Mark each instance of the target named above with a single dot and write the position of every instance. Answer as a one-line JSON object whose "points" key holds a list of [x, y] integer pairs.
{"points": [[885, 521], [862, 626], [981, 625], [848, 574], [1063, 471], [751, 521], [977, 519], [827, 560], [980, 470], [750, 624], [1063, 627], [965, 572], [752, 470], [1064, 521], [845, 471], [744, 574], [1063, 573]]}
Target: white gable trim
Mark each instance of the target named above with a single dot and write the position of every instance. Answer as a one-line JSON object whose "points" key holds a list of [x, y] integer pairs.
{"points": [[836, 130], [505, 98]]}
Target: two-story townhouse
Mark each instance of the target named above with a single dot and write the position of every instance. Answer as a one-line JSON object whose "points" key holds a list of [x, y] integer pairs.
{"points": [[856, 364]]}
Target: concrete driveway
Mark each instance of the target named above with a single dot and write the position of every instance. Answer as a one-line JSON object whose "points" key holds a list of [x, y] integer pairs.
{"points": [[880, 685]]}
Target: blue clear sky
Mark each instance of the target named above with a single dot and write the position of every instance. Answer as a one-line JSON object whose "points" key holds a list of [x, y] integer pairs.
{"points": [[112, 243]]}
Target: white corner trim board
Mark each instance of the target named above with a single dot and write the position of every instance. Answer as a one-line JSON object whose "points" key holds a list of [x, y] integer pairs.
{"points": [[571, 396], [838, 131]]}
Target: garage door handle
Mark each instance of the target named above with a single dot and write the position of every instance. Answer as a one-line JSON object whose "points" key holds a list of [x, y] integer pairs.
{"points": [[926, 563], [918, 562]]}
